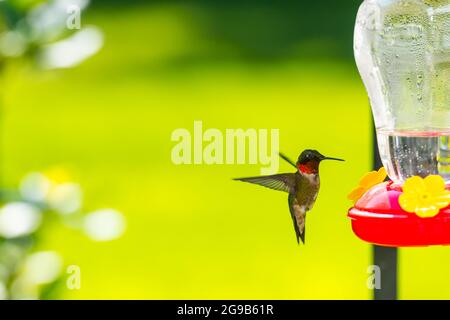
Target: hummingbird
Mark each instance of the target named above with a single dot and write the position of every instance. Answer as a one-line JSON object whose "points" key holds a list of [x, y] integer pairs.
{"points": [[302, 186]]}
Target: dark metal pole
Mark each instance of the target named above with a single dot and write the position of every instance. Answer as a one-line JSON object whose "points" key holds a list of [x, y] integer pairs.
{"points": [[386, 258]]}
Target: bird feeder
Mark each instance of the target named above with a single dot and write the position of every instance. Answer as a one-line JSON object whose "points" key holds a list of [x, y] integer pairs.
{"points": [[402, 50]]}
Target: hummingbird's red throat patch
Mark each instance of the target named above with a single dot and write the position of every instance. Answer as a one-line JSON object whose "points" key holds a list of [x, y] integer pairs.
{"points": [[311, 167]]}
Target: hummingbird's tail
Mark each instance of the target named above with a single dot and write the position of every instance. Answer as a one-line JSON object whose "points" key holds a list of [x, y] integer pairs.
{"points": [[302, 234], [298, 215]]}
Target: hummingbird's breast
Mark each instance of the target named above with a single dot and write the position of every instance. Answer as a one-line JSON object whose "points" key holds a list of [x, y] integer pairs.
{"points": [[308, 186]]}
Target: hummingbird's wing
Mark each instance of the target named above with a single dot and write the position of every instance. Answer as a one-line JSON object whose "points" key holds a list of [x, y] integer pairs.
{"points": [[281, 182], [298, 215]]}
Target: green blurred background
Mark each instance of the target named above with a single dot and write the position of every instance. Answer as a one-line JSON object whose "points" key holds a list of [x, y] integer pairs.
{"points": [[192, 232]]}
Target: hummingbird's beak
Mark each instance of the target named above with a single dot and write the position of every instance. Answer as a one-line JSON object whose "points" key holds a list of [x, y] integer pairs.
{"points": [[329, 158]]}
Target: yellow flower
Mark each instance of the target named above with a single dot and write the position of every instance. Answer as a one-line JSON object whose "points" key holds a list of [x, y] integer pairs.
{"points": [[424, 197], [58, 174], [368, 181]]}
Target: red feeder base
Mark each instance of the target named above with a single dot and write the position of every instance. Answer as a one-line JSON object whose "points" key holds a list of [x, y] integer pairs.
{"points": [[378, 218]]}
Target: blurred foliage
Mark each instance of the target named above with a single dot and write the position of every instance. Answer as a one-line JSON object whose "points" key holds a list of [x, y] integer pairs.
{"points": [[38, 31], [262, 30], [44, 31], [192, 233], [27, 214]]}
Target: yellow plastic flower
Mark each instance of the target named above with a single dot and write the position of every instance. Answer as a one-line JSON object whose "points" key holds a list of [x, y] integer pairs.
{"points": [[424, 197], [368, 181]]}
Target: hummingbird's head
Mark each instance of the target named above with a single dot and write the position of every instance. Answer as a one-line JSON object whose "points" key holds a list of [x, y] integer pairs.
{"points": [[309, 160]]}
